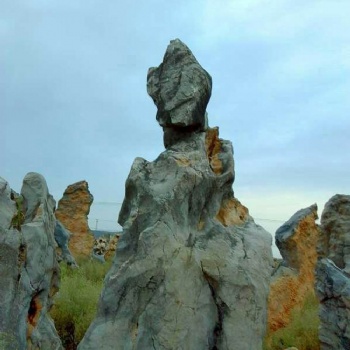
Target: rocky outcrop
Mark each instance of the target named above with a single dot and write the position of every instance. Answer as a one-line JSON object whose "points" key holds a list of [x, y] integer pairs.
{"points": [[333, 274], [72, 211], [62, 237], [192, 269], [111, 247], [28, 266], [104, 247], [293, 279]]}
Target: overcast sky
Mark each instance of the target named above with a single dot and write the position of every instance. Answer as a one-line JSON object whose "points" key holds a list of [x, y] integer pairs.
{"points": [[74, 106]]}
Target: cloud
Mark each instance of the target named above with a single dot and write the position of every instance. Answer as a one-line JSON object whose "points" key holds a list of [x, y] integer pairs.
{"points": [[74, 103]]}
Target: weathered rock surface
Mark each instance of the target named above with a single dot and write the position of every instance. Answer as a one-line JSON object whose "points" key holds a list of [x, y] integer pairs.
{"points": [[181, 90], [333, 274], [294, 278], [335, 238], [192, 269], [112, 247], [62, 237], [28, 266], [105, 247], [72, 211]]}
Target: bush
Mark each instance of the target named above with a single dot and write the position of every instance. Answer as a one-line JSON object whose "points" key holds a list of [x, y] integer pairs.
{"points": [[76, 302], [301, 332]]}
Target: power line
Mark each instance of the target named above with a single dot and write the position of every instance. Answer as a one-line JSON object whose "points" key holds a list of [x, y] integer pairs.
{"points": [[107, 203], [272, 220]]}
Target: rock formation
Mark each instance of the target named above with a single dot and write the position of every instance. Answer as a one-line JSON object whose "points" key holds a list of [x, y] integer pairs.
{"points": [[72, 211], [192, 269], [294, 278], [62, 237], [104, 247], [333, 274], [112, 246], [28, 266]]}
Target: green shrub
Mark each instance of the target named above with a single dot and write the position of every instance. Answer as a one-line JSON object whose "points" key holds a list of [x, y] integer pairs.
{"points": [[301, 332], [76, 302]]}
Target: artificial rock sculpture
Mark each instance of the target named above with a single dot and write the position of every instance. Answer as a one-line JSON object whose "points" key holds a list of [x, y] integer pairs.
{"points": [[72, 211], [28, 266], [192, 269], [333, 274], [293, 280]]}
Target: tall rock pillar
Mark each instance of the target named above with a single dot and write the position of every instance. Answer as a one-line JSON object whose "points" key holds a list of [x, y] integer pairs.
{"points": [[28, 266], [72, 211], [333, 274], [192, 269]]}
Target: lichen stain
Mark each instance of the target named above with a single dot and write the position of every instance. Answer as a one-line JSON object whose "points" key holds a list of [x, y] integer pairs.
{"points": [[232, 212], [183, 162], [213, 149], [288, 293], [34, 310]]}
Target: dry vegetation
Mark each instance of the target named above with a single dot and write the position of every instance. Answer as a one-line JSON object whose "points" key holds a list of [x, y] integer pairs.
{"points": [[301, 332], [76, 303]]}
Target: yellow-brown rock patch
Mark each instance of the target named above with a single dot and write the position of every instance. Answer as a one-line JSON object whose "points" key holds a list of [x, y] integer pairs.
{"points": [[290, 286], [73, 209]]}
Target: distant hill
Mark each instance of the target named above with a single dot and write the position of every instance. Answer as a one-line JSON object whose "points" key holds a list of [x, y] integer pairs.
{"points": [[99, 233]]}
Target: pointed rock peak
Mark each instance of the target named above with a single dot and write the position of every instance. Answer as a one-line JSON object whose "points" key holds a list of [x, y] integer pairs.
{"points": [[181, 90]]}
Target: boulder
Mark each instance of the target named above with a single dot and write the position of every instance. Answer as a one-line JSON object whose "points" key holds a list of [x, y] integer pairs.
{"points": [[192, 268], [333, 274], [293, 278], [335, 225], [181, 90], [72, 211], [28, 266]]}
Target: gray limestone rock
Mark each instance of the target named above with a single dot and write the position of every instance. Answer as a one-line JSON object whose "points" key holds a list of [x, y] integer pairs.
{"points": [[333, 290], [333, 274], [181, 89], [192, 268], [7, 206], [285, 238], [62, 237], [335, 223], [28, 267]]}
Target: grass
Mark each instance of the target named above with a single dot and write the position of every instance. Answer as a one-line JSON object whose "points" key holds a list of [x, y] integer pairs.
{"points": [[301, 332], [18, 219], [76, 303]]}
